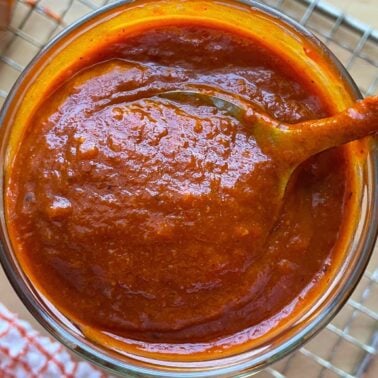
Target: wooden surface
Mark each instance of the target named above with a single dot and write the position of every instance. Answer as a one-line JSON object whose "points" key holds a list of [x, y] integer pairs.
{"points": [[364, 10]]}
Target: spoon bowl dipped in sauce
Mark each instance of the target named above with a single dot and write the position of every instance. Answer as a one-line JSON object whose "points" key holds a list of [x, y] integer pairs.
{"points": [[285, 146], [147, 161]]}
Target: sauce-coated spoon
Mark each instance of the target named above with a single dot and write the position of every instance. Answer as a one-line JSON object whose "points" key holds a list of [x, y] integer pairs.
{"points": [[285, 145], [291, 144]]}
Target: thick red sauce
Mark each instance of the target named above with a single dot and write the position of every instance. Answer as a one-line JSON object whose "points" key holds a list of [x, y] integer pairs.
{"points": [[135, 214]]}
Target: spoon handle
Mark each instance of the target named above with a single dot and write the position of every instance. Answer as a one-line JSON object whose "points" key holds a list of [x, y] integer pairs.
{"points": [[295, 143]]}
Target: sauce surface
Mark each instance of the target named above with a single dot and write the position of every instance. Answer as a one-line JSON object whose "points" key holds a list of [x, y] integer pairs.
{"points": [[136, 214]]}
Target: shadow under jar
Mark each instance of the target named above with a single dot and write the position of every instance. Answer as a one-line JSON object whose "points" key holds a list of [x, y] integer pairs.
{"points": [[127, 225]]}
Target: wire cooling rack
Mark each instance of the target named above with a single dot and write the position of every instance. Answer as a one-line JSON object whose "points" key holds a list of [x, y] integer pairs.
{"points": [[348, 346]]}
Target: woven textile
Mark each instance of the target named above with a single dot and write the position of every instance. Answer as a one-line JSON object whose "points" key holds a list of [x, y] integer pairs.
{"points": [[24, 353]]}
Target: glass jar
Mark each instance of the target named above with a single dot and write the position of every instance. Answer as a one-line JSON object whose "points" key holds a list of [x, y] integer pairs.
{"points": [[297, 46]]}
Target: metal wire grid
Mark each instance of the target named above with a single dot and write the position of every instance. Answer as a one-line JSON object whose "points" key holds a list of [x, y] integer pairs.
{"points": [[348, 346]]}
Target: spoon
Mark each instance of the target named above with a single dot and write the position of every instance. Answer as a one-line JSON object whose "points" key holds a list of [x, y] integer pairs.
{"points": [[285, 145], [291, 144]]}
